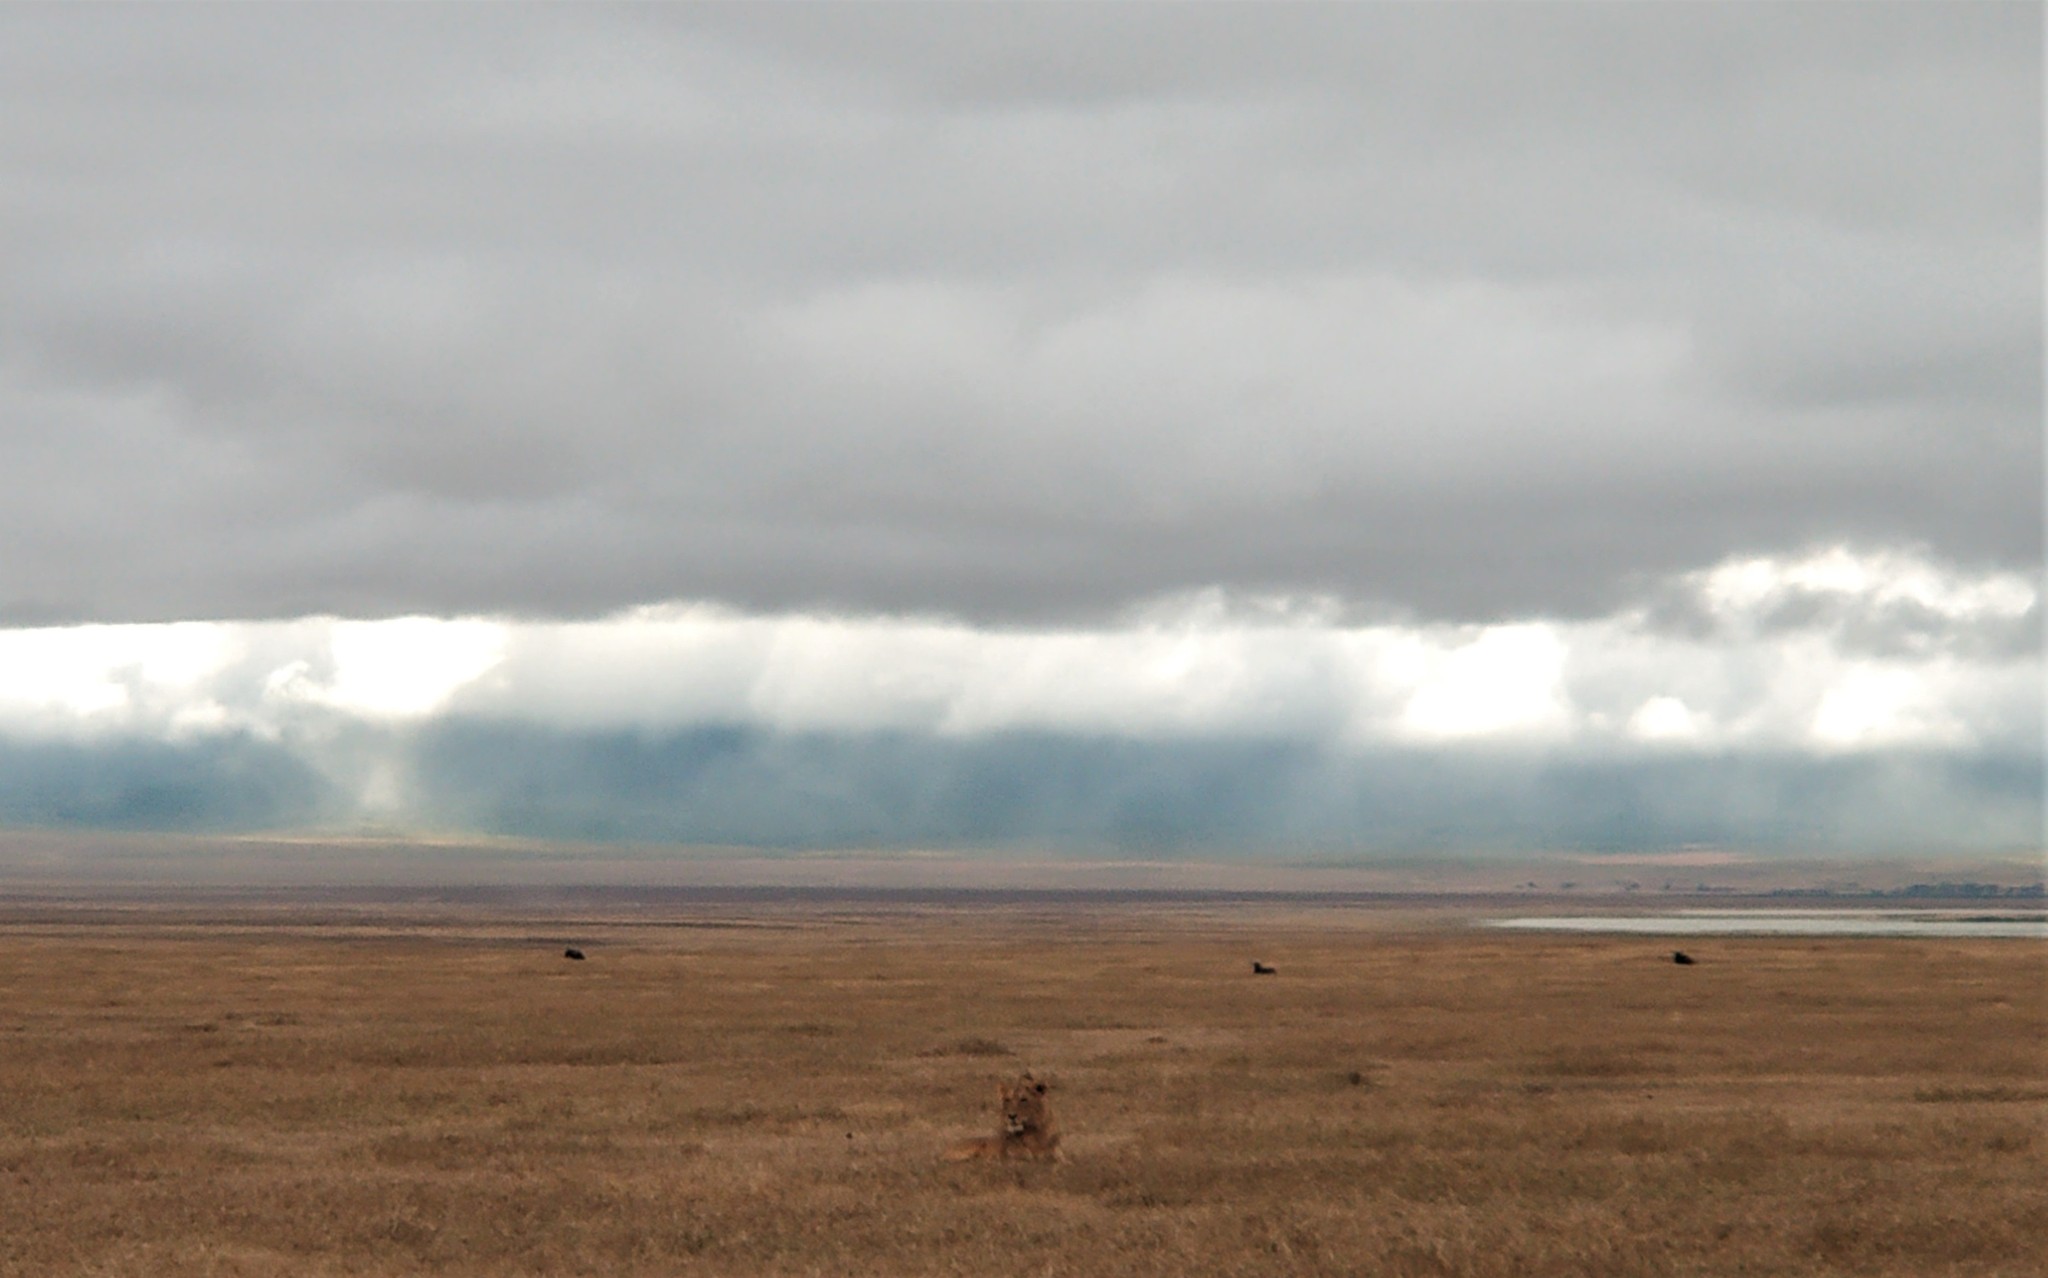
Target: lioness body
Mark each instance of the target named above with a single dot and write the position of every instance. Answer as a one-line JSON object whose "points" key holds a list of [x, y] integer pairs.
{"points": [[1029, 1130]]}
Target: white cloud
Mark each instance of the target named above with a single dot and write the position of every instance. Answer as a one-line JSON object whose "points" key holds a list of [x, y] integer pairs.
{"points": [[407, 667], [1742, 588], [1664, 719], [83, 678], [1190, 668], [195, 676], [1870, 705], [1507, 681]]}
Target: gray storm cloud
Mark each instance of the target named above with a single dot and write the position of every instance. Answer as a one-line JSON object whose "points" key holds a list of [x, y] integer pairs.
{"points": [[1318, 427], [1015, 314]]}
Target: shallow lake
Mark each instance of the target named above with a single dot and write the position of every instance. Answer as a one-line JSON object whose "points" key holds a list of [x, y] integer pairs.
{"points": [[1949, 923]]}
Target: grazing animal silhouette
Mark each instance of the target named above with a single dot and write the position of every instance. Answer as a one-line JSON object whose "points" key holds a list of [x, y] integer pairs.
{"points": [[573, 954], [1029, 1130], [1260, 969], [1681, 958]]}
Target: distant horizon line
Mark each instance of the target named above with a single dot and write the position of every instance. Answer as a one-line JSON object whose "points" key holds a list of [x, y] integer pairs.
{"points": [[70, 859]]}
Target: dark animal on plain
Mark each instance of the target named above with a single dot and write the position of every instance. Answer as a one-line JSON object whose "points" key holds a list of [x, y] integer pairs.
{"points": [[573, 954], [1681, 958], [1260, 969]]}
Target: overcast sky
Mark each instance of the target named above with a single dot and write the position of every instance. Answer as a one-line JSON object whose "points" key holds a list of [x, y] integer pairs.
{"points": [[1528, 388]]}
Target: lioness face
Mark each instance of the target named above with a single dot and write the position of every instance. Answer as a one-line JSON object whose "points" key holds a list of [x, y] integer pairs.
{"points": [[1023, 1106]]}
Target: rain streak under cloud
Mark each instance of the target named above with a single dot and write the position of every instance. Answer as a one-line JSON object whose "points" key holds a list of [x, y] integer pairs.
{"points": [[1377, 425]]}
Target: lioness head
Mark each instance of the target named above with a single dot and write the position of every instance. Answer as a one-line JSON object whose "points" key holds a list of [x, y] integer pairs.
{"points": [[1024, 1108], [1028, 1131]]}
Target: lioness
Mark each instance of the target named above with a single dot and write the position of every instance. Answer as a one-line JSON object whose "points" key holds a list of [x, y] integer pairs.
{"points": [[1029, 1130]]}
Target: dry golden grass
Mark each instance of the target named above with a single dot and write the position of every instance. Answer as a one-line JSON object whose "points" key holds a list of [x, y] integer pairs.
{"points": [[279, 1097]]}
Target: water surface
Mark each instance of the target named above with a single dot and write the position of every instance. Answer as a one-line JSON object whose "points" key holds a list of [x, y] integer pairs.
{"points": [[1946, 923]]}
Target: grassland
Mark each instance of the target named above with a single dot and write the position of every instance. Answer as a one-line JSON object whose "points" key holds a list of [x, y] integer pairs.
{"points": [[768, 1092]]}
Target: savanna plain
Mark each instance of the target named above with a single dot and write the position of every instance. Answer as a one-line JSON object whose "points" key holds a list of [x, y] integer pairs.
{"points": [[761, 1088]]}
